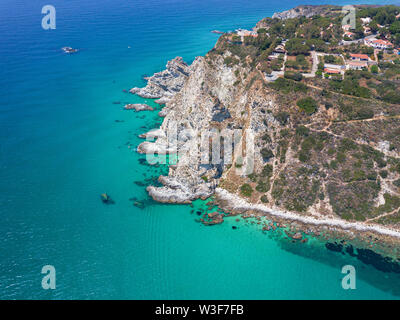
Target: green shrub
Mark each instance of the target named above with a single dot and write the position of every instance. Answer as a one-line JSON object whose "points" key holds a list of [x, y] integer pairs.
{"points": [[296, 76], [266, 153], [267, 171], [263, 186], [264, 199], [383, 174], [309, 105], [246, 190], [302, 131], [282, 117], [374, 69]]}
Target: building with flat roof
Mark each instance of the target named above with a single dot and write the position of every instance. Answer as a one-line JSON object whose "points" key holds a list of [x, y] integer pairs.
{"points": [[356, 65]]}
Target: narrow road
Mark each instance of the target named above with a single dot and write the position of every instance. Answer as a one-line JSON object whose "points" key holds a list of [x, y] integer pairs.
{"points": [[314, 67]]}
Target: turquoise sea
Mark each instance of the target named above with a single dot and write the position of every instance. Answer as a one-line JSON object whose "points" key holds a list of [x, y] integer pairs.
{"points": [[61, 147]]}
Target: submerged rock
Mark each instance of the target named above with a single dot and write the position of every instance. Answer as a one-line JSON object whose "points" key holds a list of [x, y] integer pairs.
{"points": [[334, 246], [139, 204], [105, 198]]}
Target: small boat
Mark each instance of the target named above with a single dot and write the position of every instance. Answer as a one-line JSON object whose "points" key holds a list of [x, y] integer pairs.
{"points": [[69, 50], [217, 32]]}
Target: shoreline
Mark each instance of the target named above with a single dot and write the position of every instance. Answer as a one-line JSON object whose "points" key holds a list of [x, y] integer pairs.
{"points": [[238, 203]]}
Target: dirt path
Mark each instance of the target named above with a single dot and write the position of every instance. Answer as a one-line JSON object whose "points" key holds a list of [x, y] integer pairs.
{"points": [[383, 215]]}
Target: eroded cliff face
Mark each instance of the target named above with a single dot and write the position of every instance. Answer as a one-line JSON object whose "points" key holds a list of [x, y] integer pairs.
{"points": [[165, 84], [207, 97]]}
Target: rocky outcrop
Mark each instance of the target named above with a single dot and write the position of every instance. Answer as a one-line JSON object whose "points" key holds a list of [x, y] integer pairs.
{"points": [[190, 112], [163, 100], [165, 84], [176, 191], [153, 148], [155, 133], [163, 113], [301, 11], [138, 107]]}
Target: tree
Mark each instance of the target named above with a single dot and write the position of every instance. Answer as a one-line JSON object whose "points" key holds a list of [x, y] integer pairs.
{"points": [[374, 26], [329, 59], [246, 190], [395, 27], [309, 105], [296, 76], [262, 31], [359, 32], [374, 69], [296, 46]]}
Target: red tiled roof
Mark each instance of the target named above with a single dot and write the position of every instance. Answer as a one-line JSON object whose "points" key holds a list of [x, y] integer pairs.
{"points": [[360, 56], [327, 70], [383, 42]]}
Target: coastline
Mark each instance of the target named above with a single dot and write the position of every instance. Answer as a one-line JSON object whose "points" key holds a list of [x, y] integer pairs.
{"points": [[381, 239], [242, 204]]}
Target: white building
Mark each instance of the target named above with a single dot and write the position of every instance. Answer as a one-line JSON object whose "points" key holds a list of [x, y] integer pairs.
{"points": [[356, 65], [366, 20], [378, 44]]}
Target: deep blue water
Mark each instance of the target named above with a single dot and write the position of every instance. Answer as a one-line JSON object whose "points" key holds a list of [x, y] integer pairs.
{"points": [[60, 148]]}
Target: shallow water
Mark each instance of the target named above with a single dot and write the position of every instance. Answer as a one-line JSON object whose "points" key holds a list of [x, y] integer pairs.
{"points": [[60, 148]]}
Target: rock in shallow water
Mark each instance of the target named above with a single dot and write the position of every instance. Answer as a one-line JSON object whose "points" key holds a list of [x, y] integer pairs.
{"points": [[138, 107]]}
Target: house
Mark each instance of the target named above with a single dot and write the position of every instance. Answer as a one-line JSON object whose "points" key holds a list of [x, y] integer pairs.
{"points": [[378, 44], [367, 30], [280, 49], [397, 51], [349, 34], [346, 27], [356, 65], [331, 71], [398, 16], [359, 57], [366, 20], [333, 67], [246, 33]]}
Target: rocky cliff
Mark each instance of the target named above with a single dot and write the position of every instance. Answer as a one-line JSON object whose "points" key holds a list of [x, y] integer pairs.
{"points": [[165, 84], [302, 11]]}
